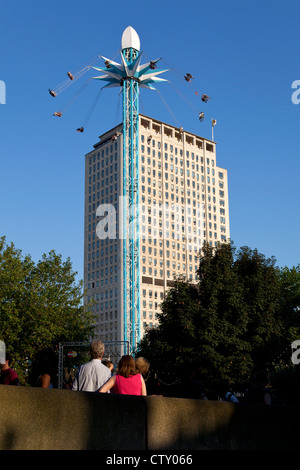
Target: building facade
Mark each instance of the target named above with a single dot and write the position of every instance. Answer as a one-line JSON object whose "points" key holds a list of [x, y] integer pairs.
{"points": [[183, 203]]}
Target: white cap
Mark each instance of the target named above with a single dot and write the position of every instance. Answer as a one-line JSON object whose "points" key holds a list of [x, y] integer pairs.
{"points": [[130, 39]]}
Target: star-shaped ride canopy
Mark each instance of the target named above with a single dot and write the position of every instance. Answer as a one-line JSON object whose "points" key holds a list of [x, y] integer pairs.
{"points": [[115, 73]]}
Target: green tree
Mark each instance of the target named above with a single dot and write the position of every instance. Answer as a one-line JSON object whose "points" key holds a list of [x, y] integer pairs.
{"points": [[172, 345], [260, 281], [227, 325], [224, 350], [285, 375], [290, 301], [40, 305]]}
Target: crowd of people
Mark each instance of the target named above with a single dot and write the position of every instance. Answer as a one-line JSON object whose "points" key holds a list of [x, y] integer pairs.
{"points": [[130, 378], [97, 374]]}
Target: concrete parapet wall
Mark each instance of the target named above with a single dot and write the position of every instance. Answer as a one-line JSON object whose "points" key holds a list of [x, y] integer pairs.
{"points": [[45, 419]]}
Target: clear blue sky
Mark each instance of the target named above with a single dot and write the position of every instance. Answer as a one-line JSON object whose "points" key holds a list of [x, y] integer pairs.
{"points": [[244, 54]]}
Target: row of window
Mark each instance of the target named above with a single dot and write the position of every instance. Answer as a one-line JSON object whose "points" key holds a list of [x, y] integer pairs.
{"points": [[102, 272], [159, 273], [104, 295], [158, 205], [171, 148], [151, 305], [150, 324], [109, 160], [167, 254], [109, 149], [107, 337], [104, 183], [108, 316], [195, 183], [109, 167], [103, 282], [107, 184], [149, 315], [107, 305], [110, 326], [155, 294], [173, 166]]}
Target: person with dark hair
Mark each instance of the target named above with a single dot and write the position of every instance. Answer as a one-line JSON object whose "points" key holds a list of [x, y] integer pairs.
{"points": [[8, 375], [127, 381], [44, 369], [92, 375], [108, 364]]}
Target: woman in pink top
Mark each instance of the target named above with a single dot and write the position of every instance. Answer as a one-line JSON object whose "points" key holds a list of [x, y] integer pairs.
{"points": [[127, 381]]}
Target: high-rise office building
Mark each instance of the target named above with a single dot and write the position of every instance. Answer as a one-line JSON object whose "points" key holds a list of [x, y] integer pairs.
{"points": [[183, 203]]}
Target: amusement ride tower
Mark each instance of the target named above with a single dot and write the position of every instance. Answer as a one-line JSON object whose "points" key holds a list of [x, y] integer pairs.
{"points": [[130, 75]]}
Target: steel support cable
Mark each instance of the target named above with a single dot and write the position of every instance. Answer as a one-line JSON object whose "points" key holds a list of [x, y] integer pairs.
{"points": [[92, 108], [188, 101], [69, 82], [184, 97], [118, 107], [142, 107], [168, 108], [82, 88], [181, 75], [66, 83]]}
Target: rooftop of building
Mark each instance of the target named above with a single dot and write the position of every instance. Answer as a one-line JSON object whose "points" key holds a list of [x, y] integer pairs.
{"points": [[108, 135]]}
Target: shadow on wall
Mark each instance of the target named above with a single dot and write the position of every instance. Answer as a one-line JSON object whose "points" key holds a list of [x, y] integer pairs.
{"points": [[51, 419], [8, 439], [183, 424], [45, 419], [120, 422]]}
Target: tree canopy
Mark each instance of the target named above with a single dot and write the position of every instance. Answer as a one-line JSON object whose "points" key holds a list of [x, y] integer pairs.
{"points": [[40, 305], [234, 321]]}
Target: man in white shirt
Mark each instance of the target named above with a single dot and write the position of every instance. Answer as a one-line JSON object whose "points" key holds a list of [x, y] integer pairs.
{"points": [[92, 375]]}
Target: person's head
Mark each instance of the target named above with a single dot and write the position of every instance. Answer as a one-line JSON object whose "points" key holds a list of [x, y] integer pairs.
{"points": [[126, 366], [108, 363], [6, 363], [97, 349], [142, 364]]}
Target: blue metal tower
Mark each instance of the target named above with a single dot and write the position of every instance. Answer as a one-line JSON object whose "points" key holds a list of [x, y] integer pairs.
{"points": [[130, 76]]}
